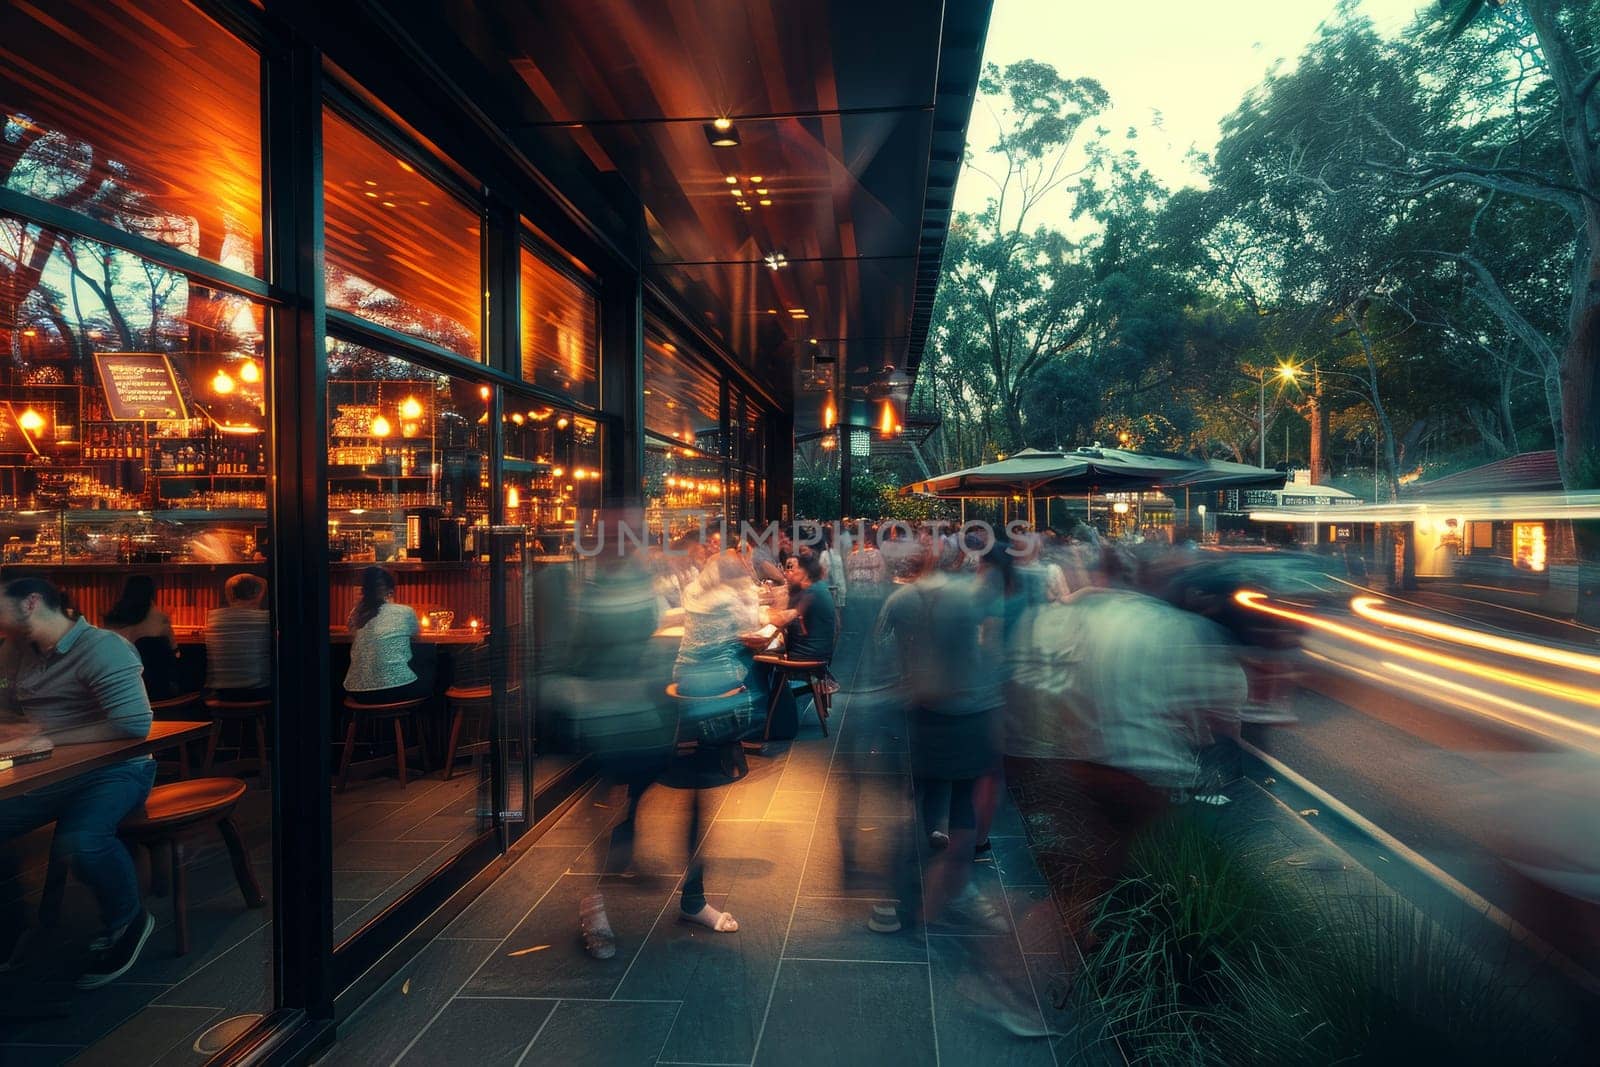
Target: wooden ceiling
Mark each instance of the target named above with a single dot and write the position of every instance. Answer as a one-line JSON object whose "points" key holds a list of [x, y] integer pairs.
{"points": [[851, 119]]}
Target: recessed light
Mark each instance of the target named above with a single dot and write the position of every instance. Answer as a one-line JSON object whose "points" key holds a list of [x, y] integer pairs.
{"points": [[736, 192], [755, 179], [761, 192], [731, 180], [764, 203], [721, 133]]}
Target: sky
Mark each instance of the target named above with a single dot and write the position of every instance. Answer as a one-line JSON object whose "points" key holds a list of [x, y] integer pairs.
{"points": [[1185, 62]]}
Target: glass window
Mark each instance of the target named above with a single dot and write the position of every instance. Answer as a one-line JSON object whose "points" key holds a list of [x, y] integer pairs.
{"points": [[560, 331], [402, 252], [157, 133], [551, 472], [682, 399], [133, 478], [682, 487], [408, 501]]}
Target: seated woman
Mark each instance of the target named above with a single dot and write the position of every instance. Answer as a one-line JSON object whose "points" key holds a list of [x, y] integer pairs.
{"points": [[380, 655], [135, 617], [719, 606]]}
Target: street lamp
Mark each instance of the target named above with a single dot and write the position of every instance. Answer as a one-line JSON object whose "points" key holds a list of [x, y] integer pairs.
{"points": [[1285, 372]]}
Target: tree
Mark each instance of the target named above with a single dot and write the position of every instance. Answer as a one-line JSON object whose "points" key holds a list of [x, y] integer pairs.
{"points": [[1014, 293]]}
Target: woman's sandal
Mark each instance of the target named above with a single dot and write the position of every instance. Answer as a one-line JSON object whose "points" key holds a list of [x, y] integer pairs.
{"points": [[724, 923], [598, 940]]}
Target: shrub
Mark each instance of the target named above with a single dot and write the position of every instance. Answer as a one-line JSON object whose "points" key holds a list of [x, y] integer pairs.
{"points": [[1209, 953]]}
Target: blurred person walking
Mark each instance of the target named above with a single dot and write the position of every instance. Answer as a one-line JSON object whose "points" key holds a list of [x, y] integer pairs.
{"points": [[611, 698], [1114, 688]]}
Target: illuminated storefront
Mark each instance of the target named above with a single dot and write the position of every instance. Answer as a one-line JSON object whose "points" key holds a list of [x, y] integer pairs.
{"points": [[290, 294]]}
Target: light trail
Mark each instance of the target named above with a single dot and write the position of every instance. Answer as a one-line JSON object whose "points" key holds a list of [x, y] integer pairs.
{"points": [[1256, 601], [1368, 607]]}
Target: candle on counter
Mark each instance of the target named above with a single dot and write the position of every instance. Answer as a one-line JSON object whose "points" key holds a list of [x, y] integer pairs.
{"points": [[473, 623]]}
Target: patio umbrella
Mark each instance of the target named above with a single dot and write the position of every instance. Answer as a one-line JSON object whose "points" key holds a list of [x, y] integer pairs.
{"points": [[1019, 473]]}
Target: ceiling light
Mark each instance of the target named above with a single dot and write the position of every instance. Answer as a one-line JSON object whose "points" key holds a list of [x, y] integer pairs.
{"points": [[755, 179], [746, 207], [775, 260], [731, 179], [736, 192], [761, 192], [764, 203], [721, 133]]}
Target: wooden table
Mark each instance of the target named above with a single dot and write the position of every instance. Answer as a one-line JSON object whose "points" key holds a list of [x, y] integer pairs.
{"points": [[69, 761]]}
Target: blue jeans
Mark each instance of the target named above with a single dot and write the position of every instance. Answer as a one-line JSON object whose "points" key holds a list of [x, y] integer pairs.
{"points": [[86, 811]]}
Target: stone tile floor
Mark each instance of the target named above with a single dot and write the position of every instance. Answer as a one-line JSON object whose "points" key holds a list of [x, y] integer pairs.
{"points": [[797, 851]]}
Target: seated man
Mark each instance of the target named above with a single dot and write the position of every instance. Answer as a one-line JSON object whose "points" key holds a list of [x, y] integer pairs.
{"points": [[239, 642], [811, 621], [77, 683], [809, 624]]}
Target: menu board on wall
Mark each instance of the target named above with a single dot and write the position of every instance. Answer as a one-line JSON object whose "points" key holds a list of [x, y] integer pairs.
{"points": [[139, 386]]}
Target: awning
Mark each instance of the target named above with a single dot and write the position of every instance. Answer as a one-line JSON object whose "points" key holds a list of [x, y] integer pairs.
{"points": [[1509, 507], [1090, 470]]}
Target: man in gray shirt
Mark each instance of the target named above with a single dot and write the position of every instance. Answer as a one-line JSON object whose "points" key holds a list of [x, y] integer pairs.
{"points": [[78, 684]]}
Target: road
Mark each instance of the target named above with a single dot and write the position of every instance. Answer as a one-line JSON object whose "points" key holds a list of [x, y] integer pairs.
{"points": [[1470, 745]]}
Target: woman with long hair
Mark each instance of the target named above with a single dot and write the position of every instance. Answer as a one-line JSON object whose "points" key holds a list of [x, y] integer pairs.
{"points": [[380, 654], [148, 629]]}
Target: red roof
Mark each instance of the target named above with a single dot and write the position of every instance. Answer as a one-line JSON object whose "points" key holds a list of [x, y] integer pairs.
{"points": [[1529, 472]]}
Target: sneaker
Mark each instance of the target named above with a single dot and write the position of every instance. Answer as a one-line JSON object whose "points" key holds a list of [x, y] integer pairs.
{"points": [[112, 959], [938, 840], [971, 908], [14, 949], [885, 919], [598, 940]]}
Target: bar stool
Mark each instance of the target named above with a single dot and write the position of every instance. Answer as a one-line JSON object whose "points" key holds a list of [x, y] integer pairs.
{"points": [[465, 700], [240, 711], [174, 709], [397, 712], [695, 708], [169, 812], [812, 671]]}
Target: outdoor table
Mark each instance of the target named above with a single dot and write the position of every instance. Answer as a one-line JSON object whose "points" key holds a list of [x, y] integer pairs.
{"points": [[69, 761]]}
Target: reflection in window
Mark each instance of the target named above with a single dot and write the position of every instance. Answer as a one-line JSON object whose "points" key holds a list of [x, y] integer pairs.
{"points": [[159, 136], [70, 302], [402, 252], [682, 401], [560, 331], [551, 471]]}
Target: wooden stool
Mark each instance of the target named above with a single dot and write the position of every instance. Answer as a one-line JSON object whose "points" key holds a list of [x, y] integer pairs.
{"points": [[695, 706], [169, 812], [813, 671], [178, 708], [239, 711], [398, 712], [461, 700]]}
